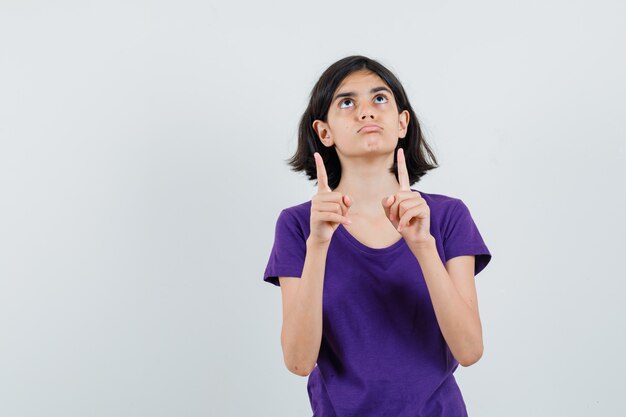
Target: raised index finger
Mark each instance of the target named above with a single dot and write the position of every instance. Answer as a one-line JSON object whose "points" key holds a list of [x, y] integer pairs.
{"points": [[403, 172], [322, 178]]}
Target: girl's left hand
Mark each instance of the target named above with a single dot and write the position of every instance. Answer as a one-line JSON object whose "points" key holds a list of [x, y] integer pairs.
{"points": [[407, 210]]}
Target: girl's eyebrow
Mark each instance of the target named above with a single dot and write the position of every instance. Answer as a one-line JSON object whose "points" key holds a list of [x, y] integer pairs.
{"points": [[372, 91]]}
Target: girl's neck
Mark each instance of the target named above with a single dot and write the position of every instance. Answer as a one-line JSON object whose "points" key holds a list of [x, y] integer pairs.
{"points": [[367, 195]]}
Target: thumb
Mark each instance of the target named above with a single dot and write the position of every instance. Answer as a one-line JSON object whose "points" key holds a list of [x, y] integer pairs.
{"points": [[387, 202], [348, 202]]}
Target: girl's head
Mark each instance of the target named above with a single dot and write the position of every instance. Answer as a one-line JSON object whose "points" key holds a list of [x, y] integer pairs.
{"points": [[353, 92]]}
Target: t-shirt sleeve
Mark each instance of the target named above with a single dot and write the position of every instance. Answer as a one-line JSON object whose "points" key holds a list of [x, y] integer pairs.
{"points": [[289, 250], [463, 238]]}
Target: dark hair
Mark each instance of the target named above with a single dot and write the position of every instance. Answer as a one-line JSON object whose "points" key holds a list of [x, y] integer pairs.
{"points": [[416, 150]]}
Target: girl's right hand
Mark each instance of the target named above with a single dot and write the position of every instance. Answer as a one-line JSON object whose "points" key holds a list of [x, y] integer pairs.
{"points": [[328, 208]]}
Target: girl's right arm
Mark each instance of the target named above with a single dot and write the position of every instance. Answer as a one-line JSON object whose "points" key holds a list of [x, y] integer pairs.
{"points": [[301, 334]]}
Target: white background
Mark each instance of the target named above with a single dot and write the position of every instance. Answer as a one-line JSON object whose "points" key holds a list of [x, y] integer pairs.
{"points": [[142, 169]]}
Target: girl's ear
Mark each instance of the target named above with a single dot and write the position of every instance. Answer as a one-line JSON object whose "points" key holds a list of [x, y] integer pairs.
{"points": [[323, 133], [403, 121]]}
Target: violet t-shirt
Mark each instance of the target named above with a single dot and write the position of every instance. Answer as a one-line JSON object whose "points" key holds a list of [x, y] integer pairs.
{"points": [[382, 351]]}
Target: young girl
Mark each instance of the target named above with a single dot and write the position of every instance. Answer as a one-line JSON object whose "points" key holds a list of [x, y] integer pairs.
{"points": [[377, 278]]}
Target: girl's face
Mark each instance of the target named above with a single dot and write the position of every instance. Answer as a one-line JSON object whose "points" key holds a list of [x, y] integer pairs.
{"points": [[362, 99]]}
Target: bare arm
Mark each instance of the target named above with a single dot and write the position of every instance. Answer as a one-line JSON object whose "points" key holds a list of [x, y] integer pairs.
{"points": [[301, 334], [453, 296]]}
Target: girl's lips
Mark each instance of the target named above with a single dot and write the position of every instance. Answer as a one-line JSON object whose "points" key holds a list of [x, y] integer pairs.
{"points": [[370, 129]]}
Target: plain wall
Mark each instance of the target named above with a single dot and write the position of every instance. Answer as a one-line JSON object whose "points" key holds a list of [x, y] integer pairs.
{"points": [[142, 170]]}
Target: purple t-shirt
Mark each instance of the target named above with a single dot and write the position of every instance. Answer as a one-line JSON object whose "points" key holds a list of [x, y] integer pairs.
{"points": [[382, 351]]}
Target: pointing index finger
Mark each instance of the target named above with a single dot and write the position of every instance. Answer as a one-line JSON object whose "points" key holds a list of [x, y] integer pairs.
{"points": [[322, 178], [403, 172]]}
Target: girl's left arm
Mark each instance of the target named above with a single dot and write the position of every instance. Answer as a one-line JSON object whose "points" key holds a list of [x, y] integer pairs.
{"points": [[453, 293]]}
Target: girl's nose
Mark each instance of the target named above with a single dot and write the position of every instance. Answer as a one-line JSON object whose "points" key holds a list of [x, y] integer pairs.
{"points": [[366, 111]]}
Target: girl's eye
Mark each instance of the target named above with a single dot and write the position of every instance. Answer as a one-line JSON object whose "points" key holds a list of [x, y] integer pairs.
{"points": [[350, 100], [343, 101], [382, 97]]}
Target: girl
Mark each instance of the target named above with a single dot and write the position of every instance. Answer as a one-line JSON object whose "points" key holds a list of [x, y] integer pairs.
{"points": [[377, 278]]}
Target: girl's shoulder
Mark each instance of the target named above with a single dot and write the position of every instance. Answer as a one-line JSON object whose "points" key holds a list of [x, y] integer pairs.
{"points": [[441, 202], [300, 211]]}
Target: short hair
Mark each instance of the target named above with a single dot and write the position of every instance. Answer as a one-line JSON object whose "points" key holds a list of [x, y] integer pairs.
{"points": [[416, 151]]}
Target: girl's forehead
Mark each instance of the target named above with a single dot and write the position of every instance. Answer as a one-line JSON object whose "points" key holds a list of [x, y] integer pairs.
{"points": [[359, 77], [361, 82]]}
